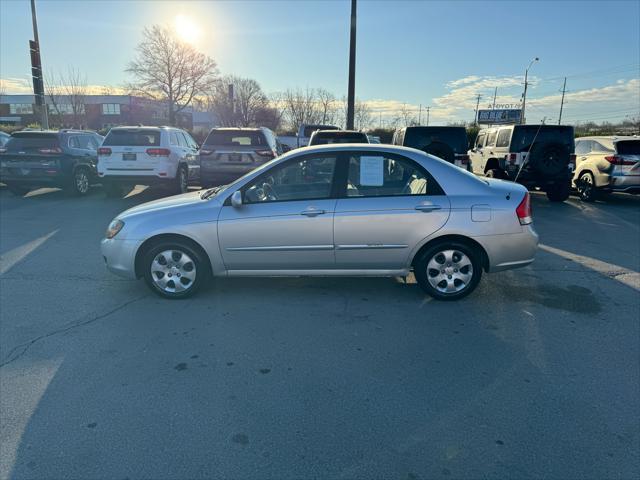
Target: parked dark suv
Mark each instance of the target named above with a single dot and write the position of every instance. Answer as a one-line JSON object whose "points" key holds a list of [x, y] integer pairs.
{"points": [[537, 156], [65, 159], [448, 143]]}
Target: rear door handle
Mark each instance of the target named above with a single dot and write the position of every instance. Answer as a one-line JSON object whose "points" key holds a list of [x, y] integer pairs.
{"points": [[428, 207], [312, 212]]}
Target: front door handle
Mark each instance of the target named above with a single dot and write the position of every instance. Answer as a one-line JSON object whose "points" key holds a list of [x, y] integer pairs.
{"points": [[312, 212], [428, 207]]}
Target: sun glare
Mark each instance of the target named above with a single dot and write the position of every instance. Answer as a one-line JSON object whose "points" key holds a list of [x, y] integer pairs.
{"points": [[187, 29]]}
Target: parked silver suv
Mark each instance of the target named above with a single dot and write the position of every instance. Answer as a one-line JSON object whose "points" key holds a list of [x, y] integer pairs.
{"points": [[229, 153]]}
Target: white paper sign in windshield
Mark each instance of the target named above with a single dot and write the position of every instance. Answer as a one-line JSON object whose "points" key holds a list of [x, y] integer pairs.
{"points": [[371, 171]]}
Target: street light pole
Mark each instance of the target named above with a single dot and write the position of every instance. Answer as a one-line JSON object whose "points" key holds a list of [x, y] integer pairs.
{"points": [[524, 95], [36, 71], [352, 69]]}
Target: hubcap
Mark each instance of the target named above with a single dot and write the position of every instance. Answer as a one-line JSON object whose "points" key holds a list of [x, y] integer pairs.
{"points": [[173, 271], [449, 271], [82, 182]]}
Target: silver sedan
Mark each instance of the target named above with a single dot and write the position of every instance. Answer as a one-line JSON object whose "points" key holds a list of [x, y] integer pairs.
{"points": [[331, 210]]}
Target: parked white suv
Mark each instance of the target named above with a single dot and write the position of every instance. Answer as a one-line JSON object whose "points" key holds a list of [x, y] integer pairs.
{"points": [[147, 156], [607, 164]]}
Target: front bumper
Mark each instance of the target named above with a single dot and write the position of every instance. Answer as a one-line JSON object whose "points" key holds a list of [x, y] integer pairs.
{"points": [[509, 251], [119, 256]]}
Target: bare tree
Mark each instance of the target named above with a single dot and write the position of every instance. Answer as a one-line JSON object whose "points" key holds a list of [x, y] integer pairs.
{"points": [[168, 69], [301, 107], [66, 94], [362, 115], [327, 106]]}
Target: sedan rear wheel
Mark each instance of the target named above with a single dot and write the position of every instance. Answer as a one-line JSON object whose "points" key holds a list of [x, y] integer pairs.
{"points": [[448, 270], [174, 270]]}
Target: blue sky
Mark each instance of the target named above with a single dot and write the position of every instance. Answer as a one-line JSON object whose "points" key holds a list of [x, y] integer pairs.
{"points": [[435, 53]]}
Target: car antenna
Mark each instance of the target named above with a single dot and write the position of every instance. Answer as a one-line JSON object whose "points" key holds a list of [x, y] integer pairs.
{"points": [[529, 151]]}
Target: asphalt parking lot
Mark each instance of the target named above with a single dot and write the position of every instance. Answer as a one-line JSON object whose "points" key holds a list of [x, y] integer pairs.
{"points": [[536, 374]]}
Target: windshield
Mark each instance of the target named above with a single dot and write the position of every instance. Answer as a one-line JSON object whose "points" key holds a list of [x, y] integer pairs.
{"points": [[524, 135], [30, 141], [235, 138], [309, 129], [132, 138]]}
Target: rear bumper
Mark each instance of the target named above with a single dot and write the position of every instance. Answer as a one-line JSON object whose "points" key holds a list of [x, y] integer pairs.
{"points": [[44, 180], [136, 179], [119, 256], [212, 177], [510, 250], [625, 183]]}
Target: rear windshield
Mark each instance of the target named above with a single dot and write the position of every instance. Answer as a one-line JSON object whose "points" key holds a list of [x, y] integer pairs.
{"points": [[323, 138], [309, 129], [26, 141], [235, 138], [523, 136], [422, 137], [132, 138], [628, 147]]}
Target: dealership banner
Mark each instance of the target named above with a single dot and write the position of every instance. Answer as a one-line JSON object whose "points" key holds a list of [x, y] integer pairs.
{"points": [[499, 116]]}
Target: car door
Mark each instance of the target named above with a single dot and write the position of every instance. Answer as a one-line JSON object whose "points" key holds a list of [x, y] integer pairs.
{"points": [[286, 219], [477, 164], [389, 205]]}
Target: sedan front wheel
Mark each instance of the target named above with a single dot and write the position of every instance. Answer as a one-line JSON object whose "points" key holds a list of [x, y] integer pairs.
{"points": [[448, 270], [175, 270]]}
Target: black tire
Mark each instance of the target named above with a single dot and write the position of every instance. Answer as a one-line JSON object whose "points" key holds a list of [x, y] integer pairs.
{"points": [[586, 187], [80, 182], [549, 159], [112, 190], [559, 192], [496, 173], [426, 275], [18, 190], [441, 150], [181, 184], [180, 250]]}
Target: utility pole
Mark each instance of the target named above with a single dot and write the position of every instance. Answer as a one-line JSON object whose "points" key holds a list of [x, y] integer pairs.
{"points": [[478, 97], [36, 71], [428, 108], [420, 115], [495, 94], [524, 95], [564, 89], [352, 69]]}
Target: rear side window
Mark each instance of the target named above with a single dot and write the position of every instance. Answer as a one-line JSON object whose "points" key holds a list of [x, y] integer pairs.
{"points": [[599, 147], [583, 147], [235, 138], [503, 138], [28, 141], [132, 138], [377, 175], [628, 147]]}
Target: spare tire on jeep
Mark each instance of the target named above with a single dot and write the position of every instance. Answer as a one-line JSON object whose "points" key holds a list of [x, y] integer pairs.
{"points": [[549, 159], [440, 150]]}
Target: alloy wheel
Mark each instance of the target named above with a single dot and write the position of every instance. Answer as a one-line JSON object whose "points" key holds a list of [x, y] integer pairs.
{"points": [[82, 182]]}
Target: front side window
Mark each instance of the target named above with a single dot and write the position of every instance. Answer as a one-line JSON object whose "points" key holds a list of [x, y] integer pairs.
{"points": [[308, 179], [377, 175], [111, 109], [480, 140]]}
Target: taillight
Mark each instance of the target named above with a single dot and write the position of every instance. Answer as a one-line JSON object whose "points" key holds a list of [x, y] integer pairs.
{"points": [[158, 152], [464, 158], [265, 153], [616, 160], [104, 151], [512, 157], [524, 210], [50, 150], [206, 151]]}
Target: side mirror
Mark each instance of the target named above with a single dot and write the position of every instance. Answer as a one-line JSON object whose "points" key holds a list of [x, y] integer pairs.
{"points": [[236, 199]]}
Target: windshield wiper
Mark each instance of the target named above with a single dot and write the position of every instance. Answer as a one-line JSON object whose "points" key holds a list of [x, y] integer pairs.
{"points": [[212, 191]]}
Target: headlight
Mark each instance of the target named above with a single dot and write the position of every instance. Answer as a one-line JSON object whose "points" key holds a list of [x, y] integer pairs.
{"points": [[113, 228]]}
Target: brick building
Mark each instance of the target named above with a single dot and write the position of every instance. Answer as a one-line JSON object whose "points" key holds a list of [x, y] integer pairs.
{"points": [[95, 112]]}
